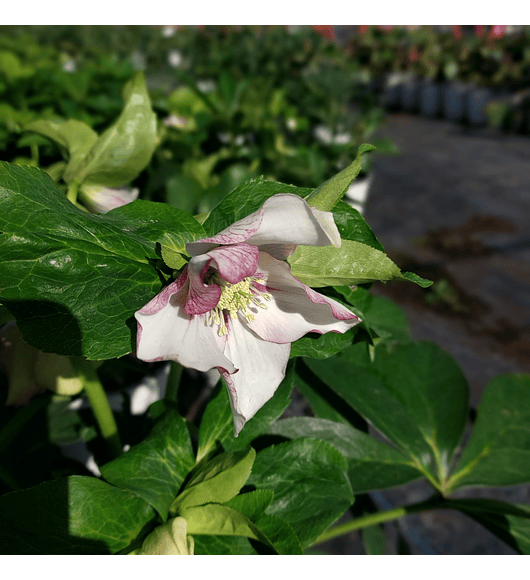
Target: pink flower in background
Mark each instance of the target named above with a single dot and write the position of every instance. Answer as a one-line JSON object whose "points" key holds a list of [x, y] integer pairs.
{"points": [[99, 199], [237, 307], [362, 29], [325, 31], [457, 32], [479, 30], [497, 31]]}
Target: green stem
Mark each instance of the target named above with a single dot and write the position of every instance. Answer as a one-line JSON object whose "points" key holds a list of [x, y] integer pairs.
{"points": [[100, 405], [72, 192], [379, 518], [173, 381]]}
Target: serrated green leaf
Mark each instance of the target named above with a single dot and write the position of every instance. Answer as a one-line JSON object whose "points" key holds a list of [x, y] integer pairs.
{"points": [[125, 148], [155, 468], [252, 504], [372, 464], [75, 138], [498, 451], [172, 259], [310, 485], [245, 199], [77, 515], [352, 263], [219, 480], [325, 196]]}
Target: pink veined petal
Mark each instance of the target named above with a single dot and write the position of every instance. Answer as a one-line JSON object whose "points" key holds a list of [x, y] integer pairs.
{"points": [[294, 308], [235, 263], [261, 367], [284, 219], [171, 334], [201, 297], [161, 299]]}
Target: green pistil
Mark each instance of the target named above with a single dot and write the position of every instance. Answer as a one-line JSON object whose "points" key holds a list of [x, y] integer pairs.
{"points": [[236, 297]]}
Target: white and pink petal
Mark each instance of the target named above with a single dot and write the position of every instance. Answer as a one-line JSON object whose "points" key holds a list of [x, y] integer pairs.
{"points": [[261, 367]]}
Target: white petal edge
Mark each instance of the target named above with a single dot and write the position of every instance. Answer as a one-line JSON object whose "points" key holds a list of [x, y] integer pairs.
{"points": [[294, 308], [284, 219], [171, 334], [261, 370]]}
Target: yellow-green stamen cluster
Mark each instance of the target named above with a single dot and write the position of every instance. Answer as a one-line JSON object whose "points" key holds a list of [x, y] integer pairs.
{"points": [[236, 297]]}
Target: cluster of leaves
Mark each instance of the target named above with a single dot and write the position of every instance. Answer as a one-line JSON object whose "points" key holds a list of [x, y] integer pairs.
{"points": [[282, 482]]}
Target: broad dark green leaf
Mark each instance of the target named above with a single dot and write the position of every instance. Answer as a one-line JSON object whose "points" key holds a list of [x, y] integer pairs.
{"points": [[77, 515], [223, 546], [217, 424], [310, 485], [73, 280], [155, 468], [322, 345], [372, 464], [325, 196], [433, 389], [126, 147], [217, 481], [369, 395], [498, 451], [245, 199], [172, 228], [387, 319], [509, 522], [352, 226]]}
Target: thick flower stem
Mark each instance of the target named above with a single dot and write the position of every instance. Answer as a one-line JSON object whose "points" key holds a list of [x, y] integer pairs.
{"points": [[173, 381], [100, 406], [379, 518]]}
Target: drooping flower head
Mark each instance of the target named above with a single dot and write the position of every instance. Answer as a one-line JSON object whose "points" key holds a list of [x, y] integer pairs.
{"points": [[237, 307]]}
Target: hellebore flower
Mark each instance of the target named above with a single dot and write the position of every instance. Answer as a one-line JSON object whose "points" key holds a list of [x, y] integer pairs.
{"points": [[237, 307]]}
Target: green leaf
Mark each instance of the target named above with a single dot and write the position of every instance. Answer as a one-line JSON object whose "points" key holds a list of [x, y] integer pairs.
{"points": [[74, 280], [77, 515], [368, 394], [352, 226], [509, 522], [206, 545], [498, 451], [433, 389], [221, 520], [245, 199], [252, 504], [219, 480], [155, 468], [75, 138], [310, 485], [374, 540], [372, 464], [322, 345], [411, 277], [216, 424], [126, 147], [172, 228], [325, 196], [387, 319], [352, 263]]}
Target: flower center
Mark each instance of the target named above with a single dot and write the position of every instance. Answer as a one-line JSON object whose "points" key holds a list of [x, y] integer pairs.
{"points": [[236, 297]]}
